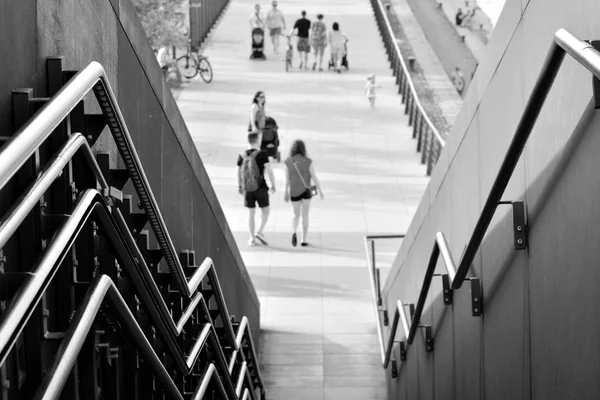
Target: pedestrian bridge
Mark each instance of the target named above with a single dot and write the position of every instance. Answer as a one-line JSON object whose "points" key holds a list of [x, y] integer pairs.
{"points": [[319, 335], [124, 268]]}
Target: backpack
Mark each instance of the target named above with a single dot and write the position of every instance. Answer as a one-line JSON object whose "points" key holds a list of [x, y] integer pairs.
{"points": [[250, 172]]}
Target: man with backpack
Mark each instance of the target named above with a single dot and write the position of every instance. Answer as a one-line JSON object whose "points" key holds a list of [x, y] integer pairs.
{"points": [[251, 183]]}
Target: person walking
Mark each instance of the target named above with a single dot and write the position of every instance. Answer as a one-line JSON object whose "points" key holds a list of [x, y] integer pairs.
{"points": [[258, 116], [299, 173], [276, 24], [459, 80], [255, 18], [337, 43], [319, 41], [167, 65], [252, 164], [370, 88], [302, 28]]}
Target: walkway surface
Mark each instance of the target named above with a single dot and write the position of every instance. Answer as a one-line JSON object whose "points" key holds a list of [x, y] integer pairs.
{"points": [[318, 327], [442, 36]]}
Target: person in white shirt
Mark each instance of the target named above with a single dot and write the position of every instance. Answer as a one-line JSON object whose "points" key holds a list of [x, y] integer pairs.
{"points": [[255, 19], [276, 25], [166, 64], [337, 43]]}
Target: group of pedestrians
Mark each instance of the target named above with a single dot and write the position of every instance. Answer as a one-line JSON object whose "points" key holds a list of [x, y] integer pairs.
{"points": [[301, 182], [464, 16], [309, 34]]}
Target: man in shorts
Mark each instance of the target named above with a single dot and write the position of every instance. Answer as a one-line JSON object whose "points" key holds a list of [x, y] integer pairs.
{"points": [[276, 25], [259, 196], [302, 27]]}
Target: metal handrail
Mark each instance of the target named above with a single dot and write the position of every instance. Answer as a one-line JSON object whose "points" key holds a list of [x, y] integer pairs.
{"points": [[30, 136], [34, 285], [244, 331], [439, 247], [26, 202], [8, 225], [563, 43], [411, 85], [376, 291], [101, 291], [208, 376], [167, 325]]}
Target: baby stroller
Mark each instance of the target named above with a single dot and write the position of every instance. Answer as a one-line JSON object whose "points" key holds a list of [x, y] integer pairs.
{"points": [[258, 41], [344, 59], [270, 139]]}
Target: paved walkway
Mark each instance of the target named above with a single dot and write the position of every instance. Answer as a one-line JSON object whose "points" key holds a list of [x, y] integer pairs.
{"points": [[435, 77], [442, 36], [319, 334]]}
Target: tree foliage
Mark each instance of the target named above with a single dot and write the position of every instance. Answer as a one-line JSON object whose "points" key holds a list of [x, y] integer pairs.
{"points": [[165, 21]]}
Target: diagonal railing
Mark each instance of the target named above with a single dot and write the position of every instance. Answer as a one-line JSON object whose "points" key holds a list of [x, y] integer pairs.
{"points": [[563, 43], [17, 150], [35, 284], [101, 205], [429, 140]]}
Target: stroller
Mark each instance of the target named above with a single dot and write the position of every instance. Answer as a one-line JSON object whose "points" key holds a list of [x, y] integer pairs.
{"points": [[344, 59], [270, 139], [258, 41]]}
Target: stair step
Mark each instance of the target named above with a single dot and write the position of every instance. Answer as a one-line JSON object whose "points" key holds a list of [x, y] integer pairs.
{"points": [[119, 178], [95, 124]]}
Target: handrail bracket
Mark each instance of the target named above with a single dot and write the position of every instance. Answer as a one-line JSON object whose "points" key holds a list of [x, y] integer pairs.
{"points": [[403, 348], [447, 287], [476, 297], [519, 224]]}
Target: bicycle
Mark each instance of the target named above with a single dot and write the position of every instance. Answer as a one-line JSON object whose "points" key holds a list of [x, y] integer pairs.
{"points": [[192, 64]]}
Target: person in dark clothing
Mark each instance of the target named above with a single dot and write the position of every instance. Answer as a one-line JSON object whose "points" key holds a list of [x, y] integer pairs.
{"points": [[260, 195], [459, 17], [302, 28]]}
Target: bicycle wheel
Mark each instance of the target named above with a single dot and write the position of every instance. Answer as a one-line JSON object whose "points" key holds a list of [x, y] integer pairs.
{"points": [[188, 66], [205, 69]]}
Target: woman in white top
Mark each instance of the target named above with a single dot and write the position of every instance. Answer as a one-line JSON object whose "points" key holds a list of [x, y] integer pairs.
{"points": [[257, 113], [337, 41]]}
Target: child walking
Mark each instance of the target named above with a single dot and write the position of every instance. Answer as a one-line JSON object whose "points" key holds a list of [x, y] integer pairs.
{"points": [[370, 89]]}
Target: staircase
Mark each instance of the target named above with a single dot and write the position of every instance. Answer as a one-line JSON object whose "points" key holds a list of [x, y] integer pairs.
{"points": [[92, 303]]}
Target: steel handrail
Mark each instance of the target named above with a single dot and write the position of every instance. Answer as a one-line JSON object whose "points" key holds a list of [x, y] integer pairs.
{"points": [[384, 351], [25, 142], [101, 291], [406, 72], [30, 136], [209, 375], [54, 169], [29, 199], [34, 285], [244, 331], [563, 43]]}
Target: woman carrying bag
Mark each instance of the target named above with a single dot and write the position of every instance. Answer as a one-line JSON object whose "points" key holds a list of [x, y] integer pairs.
{"points": [[257, 113], [299, 173]]}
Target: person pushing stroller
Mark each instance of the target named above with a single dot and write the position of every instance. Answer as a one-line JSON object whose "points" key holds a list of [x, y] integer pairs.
{"points": [[337, 43]]}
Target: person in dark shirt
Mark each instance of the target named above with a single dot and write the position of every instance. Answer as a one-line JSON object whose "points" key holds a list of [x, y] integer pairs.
{"points": [[302, 28], [261, 195], [459, 17]]}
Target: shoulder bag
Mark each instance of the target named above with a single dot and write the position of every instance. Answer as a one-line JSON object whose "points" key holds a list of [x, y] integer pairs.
{"points": [[312, 190]]}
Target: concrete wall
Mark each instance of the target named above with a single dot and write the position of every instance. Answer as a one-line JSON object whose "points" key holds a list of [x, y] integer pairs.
{"points": [[108, 31], [538, 336]]}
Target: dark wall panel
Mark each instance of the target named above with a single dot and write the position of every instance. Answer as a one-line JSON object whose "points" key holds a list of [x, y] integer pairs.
{"points": [[564, 280]]}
